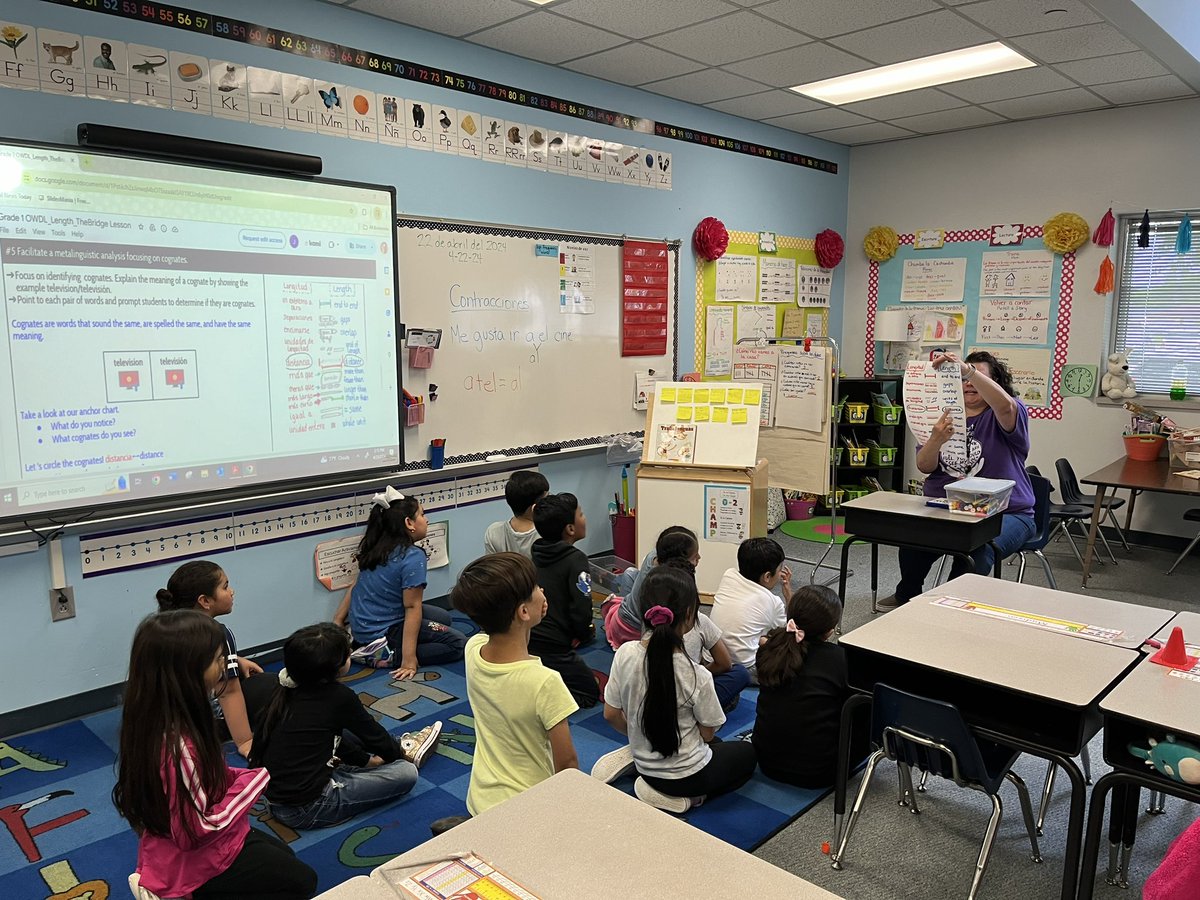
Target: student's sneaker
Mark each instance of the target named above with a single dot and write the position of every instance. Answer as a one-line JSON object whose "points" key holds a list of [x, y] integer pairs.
{"points": [[888, 602], [418, 746], [612, 766], [665, 802], [376, 654]]}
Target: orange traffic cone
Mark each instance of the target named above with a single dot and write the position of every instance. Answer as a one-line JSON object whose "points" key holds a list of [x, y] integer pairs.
{"points": [[1174, 654]]}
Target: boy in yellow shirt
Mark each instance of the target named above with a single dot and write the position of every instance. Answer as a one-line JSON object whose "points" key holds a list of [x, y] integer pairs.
{"points": [[520, 707]]}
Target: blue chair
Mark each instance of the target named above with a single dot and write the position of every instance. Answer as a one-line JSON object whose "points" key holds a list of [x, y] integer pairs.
{"points": [[1062, 515], [1042, 521], [932, 735]]}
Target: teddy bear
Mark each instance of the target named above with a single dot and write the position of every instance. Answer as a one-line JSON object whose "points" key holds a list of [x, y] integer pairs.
{"points": [[1116, 383]]}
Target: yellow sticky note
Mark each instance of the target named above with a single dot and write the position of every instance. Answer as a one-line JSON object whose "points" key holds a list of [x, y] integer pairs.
{"points": [[716, 395], [702, 413], [720, 414], [685, 395], [734, 395], [683, 414], [701, 395], [753, 397], [739, 415], [668, 395]]}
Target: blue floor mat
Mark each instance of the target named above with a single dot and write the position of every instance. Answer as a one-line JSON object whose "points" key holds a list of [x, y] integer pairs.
{"points": [[62, 838]]}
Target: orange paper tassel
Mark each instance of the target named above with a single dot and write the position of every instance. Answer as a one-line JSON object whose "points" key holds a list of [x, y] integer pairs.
{"points": [[1104, 284]]}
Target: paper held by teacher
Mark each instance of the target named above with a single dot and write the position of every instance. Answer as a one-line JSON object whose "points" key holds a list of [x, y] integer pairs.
{"points": [[929, 392]]}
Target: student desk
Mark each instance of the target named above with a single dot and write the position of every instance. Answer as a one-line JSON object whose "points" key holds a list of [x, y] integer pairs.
{"points": [[359, 887], [903, 520], [1138, 476], [1149, 702], [552, 837], [1031, 688]]}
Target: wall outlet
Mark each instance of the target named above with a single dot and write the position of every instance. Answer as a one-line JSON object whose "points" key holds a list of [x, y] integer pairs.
{"points": [[62, 604]]}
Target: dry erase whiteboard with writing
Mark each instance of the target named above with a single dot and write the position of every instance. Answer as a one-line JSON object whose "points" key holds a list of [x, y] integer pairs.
{"points": [[516, 368]]}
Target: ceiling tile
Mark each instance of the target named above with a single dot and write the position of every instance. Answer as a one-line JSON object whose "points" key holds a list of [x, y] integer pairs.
{"points": [[1107, 69], [546, 37], [1012, 17], [704, 86], [818, 120], [1008, 84], [925, 35], [766, 105], [1052, 104], [911, 103], [749, 2], [1075, 43], [865, 134], [452, 17], [826, 19], [800, 65], [949, 120], [1144, 90], [739, 36], [638, 19], [633, 64]]}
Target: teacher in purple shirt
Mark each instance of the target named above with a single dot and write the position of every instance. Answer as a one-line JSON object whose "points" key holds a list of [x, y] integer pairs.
{"points": [[996, 447]]}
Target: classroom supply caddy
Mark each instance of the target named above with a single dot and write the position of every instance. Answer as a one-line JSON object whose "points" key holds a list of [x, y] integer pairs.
{"points": [[979, 497], [1184, 447]]}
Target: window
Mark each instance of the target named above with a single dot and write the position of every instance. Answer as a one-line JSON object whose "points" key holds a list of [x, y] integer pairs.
{"points": [[1158, 304]]}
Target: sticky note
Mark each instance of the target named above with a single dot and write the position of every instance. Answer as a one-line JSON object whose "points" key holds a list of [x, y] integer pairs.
{"points": [[701, 395], [734, 395], [685, 395], [739, 415], [716, 395], [720, 414], [753, 397], [702, 413], [668, 395], [683, 414]]}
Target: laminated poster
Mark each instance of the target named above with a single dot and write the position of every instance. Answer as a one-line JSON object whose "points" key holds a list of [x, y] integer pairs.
{"points": [[726, 513]]}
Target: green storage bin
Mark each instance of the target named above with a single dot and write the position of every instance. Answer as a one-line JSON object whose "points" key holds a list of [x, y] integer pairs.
{"points": [[835, 454], [830, 497], [887, 415], [853, 493], [882, 456], [856, 413], [858, 456]]}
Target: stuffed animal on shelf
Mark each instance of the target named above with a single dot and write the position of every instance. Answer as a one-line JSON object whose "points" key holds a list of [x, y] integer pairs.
{"points": [[1116, 383], [1176, 759]]}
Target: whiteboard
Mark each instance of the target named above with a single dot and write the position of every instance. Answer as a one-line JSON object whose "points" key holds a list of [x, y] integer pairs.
{"points": [[513, 372]]}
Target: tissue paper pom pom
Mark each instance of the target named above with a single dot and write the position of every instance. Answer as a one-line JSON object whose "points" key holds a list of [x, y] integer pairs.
{"points": [[881, 243], [710, 238], [830, 248], [1065, 232]]}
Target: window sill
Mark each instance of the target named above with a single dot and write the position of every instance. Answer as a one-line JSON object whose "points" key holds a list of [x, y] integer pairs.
{"points": [[1158, 402]]}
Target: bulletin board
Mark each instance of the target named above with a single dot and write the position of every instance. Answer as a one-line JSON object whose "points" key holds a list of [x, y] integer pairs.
{"points": [[995, 298]]}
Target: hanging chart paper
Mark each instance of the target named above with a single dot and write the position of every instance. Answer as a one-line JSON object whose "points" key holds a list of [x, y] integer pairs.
{"points": [[718, 340], [1016, 273], [754, 363], [928, 392], [755, 320], [800, 400], [813, 285], [1013, 321], [930, 280], [1030, 372], [737, 278], [777, 280]]}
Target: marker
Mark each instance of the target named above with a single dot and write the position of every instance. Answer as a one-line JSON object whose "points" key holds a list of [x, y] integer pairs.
{"points": [[1151, 642]]}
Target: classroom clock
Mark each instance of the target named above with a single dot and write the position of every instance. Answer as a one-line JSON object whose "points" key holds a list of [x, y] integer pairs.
{"points": [[1078, 380]]}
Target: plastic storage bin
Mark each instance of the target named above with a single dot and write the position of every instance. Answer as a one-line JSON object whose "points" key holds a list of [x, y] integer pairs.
{"points": [[798, 510], [886, 415], [856, 413], [882, 456], [858, 455], [835, 453], [979, 497], [1185, 449], [1145, 447], [833, 496], [853, 493], [606, 570]]}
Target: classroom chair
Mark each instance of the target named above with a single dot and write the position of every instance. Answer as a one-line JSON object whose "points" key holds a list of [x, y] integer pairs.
{"points": [[1192, 515], [1043, 523], [932, 735], [1063, 515], [1072, 493]]}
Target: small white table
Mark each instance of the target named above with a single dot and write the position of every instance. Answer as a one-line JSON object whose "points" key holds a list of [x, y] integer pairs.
{"points": [[360, 887], [573, 836]]}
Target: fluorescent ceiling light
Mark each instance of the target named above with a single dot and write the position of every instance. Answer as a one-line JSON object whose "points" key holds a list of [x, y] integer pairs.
{"points": [[943, 68], [540, 2]]}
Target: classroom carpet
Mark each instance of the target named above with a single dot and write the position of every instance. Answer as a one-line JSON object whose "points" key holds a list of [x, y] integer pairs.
{"points": [[816, 529], [65, 840]]}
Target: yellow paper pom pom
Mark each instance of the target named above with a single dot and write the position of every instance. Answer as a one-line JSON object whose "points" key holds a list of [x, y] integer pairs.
{"points": [[1065, 232], [880, 243]]}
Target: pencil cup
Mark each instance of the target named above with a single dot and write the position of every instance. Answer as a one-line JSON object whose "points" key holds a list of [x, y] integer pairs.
{"points": [[437, 454], [624, 529]]}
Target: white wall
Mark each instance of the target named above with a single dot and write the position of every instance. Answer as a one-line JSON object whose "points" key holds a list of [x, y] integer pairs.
{"points": [[1130, 159]]}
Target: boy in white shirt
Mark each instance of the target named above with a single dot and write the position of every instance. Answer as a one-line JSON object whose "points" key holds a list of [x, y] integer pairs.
{"points": [[745, 606], [522, 492]]}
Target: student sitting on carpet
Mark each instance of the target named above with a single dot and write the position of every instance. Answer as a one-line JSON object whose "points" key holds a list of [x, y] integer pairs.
{"points": [[802, 686], [520, 706], [203, 586], [329, 759], [668, 706], [189, 809], [522, 491], [623, 615], [745, 606]]}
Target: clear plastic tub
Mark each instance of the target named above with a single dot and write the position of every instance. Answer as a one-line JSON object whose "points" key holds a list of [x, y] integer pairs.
{"points": [[979, 497], [605, 570]]}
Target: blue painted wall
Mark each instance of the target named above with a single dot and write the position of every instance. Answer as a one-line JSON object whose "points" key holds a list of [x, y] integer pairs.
{"points": [[275, 587]]}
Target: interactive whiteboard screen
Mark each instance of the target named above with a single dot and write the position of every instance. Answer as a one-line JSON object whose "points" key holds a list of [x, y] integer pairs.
{"points": [[178, 330]]}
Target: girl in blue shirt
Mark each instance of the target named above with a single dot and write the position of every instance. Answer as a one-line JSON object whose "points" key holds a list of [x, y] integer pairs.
{"points": [[385, 601]]}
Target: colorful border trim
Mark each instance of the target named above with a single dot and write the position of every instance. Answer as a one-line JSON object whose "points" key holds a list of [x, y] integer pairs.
{"points": [[243, 32]]}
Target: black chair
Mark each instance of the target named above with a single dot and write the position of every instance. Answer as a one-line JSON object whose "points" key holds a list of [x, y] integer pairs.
{"points": [[1072, 493], [1044, 525], [1063, 515], [933, 736], [1192, 515]]}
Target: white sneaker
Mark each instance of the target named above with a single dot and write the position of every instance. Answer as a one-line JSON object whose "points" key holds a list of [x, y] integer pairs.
{"points": [[373, 654], [665, 802], [419, 746], [611, 766]]}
